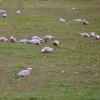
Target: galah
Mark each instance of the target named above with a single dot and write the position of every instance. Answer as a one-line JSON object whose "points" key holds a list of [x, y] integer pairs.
{"points": [[56, 42], [47, 37], [73, 8], [92, 34], [3, 39], [77, 20], [97, 37], [2, 11], [4, 15], [25, 41], [47, 50], [85, 34], [40, 39], [13, 39], [62, 20], [24, 73], [18, 12], [34, 41], [85, 22]]}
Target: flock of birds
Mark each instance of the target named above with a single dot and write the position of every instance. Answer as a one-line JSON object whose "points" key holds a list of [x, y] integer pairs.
{"points": [[3, 12], [38, 41], [92, 34], [84, 22], [34, 40]]}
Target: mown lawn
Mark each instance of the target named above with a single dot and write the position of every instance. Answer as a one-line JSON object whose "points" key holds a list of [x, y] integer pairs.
{"points": [[71, 72]]}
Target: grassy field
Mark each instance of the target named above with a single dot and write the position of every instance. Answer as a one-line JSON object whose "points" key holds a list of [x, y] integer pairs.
{"points": [[71, 72]]}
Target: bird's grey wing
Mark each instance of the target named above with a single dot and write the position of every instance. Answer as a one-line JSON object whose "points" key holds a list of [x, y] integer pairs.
{"points": [[22, 73]]}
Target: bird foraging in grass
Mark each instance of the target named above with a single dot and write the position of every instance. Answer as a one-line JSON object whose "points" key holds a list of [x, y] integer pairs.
{"points": [[34, 41], [47, 37], [47, 50], [62, 20], [4, 15], [18, 12], [85, 22], [85, 34], [77, 20], [97, 37], [56, 42], [92, 34], [13, 39], [24, 73], [37, 38], [3, 39], [25, 41], [2, 11], [73, 8]]}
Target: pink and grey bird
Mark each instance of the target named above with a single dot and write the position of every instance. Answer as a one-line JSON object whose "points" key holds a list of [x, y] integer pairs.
{"points": [[56, 42], [34, 41], [2, 11], [85, 22], [85, 34], [92, 34], [18, 12], [77, 20], [13, 39], [47, 50], [24, 73], [40, 39], [47, 37], [25, 41], [62, 20], [4, 15], [3, 39], [97, 37]]}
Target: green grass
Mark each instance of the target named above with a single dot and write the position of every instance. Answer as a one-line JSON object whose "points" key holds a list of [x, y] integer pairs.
{"points": [[71, 72]]}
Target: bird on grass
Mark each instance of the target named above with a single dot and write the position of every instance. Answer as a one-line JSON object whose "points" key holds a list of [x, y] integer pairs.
{"points": [[92, 34], [24, 73], [40, 39], [62, 20], [97, 37], [47, 37], [3, 39], [85, 22], [18, 12], [56, 42], [34, 41], [47, 50], [77, 20], [25, 41], [13, 39], [85, 34], [2, 11], [4, 15]]}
